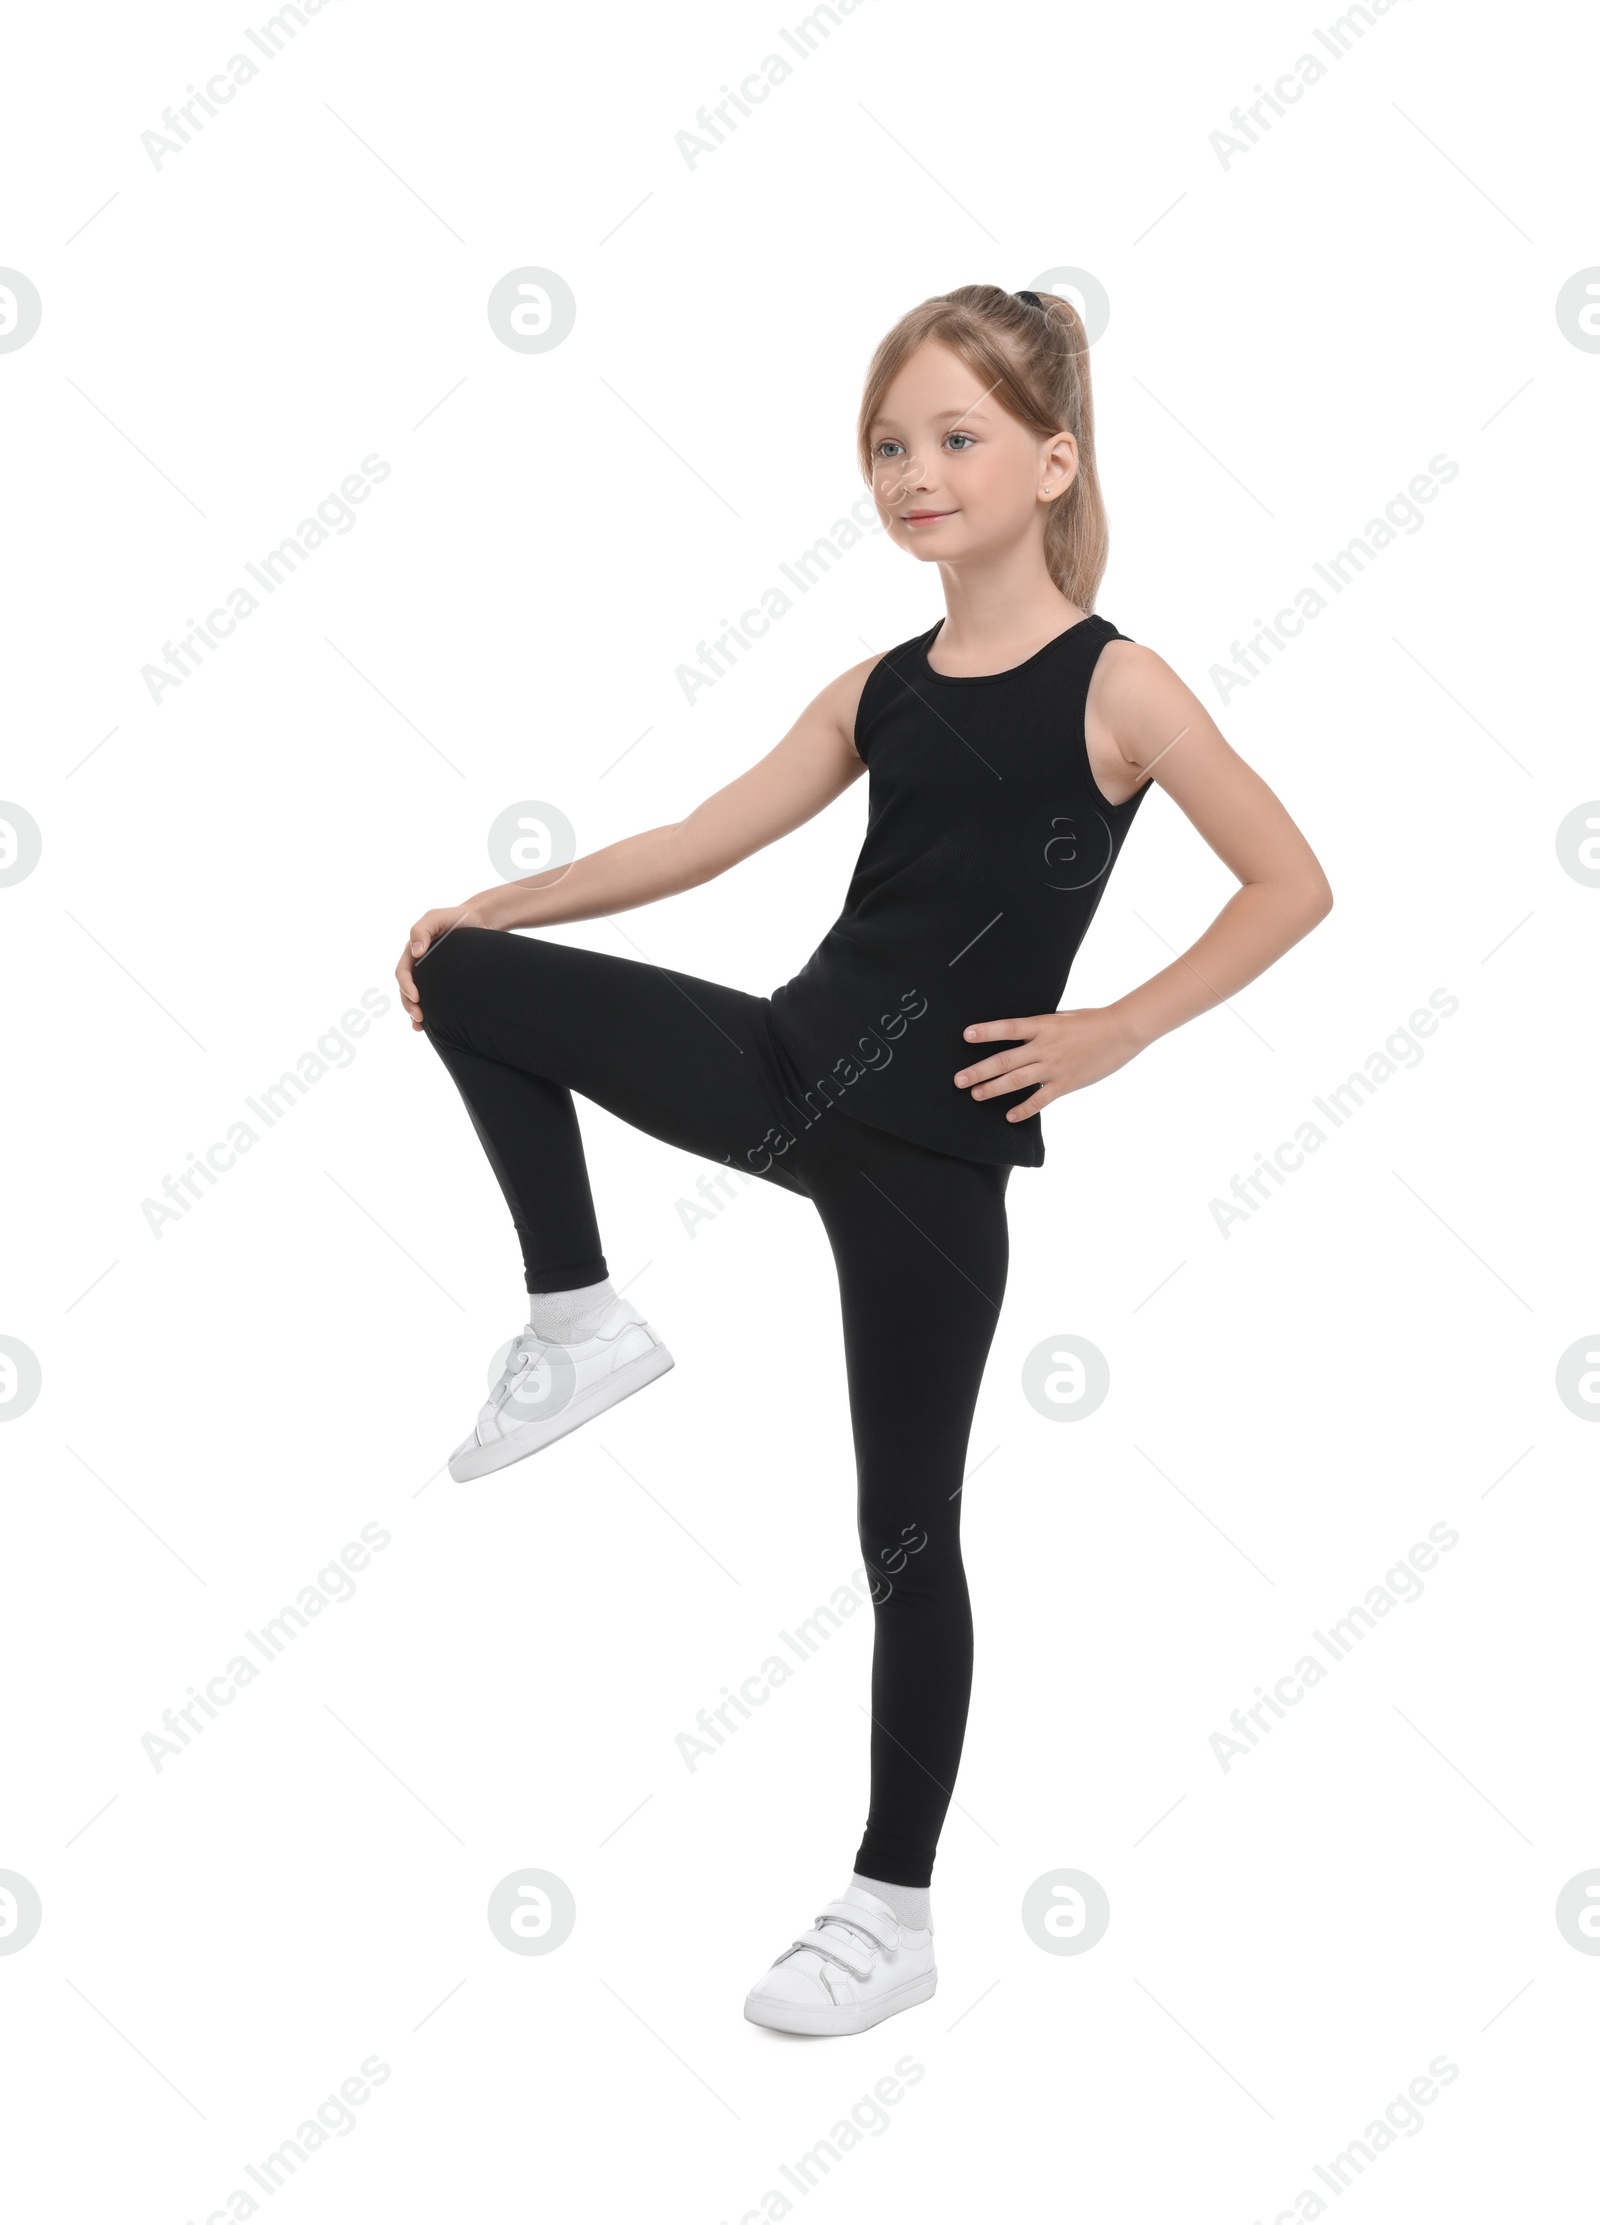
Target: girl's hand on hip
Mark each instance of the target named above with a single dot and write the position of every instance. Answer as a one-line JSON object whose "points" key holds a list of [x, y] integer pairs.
{"points": [[430, 929], [1056, 1052]]}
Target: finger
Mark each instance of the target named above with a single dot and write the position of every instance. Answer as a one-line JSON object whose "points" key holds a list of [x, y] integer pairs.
{"points": [[1022, 1077], [990, 1031], [410, 1001], [1030, 1109], [1001, 1063], [1012, 1072], [437, 926]]}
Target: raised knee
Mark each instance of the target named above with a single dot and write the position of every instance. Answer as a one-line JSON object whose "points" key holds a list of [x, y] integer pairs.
{"points": [[449, 972]]}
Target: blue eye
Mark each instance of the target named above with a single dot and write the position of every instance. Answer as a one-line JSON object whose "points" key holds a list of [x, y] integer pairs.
{"points": [[960, 436], [883, 444]]}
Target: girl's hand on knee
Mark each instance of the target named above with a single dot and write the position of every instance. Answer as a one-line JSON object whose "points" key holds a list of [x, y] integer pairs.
{"points": [[1058, 1052], [430, 929]]}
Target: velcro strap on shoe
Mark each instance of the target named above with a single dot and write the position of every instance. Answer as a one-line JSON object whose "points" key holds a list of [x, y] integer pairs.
{"points": [[834, 1946], [884, 1931]]}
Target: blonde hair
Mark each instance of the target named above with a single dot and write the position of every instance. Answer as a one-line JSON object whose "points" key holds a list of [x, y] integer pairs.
{"points": [[1035, 362]]}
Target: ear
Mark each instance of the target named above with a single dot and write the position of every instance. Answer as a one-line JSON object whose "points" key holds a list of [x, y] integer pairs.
{"points": [[1059, 467]]}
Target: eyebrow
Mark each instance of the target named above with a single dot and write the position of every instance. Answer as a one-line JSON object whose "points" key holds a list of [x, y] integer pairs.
{"points": [[940, 417]]}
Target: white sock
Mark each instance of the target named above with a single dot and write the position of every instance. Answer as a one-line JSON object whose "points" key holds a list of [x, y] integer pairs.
{"points": [[568, 1316], [910, 1903]]}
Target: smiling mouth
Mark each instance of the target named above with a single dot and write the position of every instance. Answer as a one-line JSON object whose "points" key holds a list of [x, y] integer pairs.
{"points": [[926, 517]]}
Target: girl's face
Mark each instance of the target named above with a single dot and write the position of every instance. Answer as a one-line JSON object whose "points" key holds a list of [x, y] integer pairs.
{"points": [[953, 474]]}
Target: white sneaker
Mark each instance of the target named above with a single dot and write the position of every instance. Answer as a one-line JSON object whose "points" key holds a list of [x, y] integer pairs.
{"points": [[857, 1965], [539, 1390]]}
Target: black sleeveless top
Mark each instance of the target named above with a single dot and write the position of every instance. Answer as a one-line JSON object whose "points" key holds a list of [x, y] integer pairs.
{"points": [[988, 847]]}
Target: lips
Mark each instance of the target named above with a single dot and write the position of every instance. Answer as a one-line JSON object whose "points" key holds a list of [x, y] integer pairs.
{"points": [[926, 517]]}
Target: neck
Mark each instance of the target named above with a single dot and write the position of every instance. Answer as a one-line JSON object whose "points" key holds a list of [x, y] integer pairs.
{"points": [[991, 617]]}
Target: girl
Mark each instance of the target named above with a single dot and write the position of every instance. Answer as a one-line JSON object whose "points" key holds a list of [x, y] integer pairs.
{"points": [[899, 1077]]}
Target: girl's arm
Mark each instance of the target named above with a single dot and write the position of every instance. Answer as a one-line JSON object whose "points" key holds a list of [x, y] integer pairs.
{"points": [[1163, 731], [815, 762], [1160, 726]]}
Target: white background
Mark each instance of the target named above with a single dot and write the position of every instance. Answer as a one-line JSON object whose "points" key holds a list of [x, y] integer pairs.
{"points": [[1293, 1405]]}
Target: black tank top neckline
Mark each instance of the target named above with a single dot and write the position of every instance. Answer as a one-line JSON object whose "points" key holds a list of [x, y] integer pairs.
{"points": [[983, 679]]}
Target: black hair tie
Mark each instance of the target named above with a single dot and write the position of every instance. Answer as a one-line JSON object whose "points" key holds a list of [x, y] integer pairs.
{"points": [[1024, 294]]}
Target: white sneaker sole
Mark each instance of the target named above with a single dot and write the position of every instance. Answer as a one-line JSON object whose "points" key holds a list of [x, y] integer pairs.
{"points": [[844, 2016], [472, 1459]]}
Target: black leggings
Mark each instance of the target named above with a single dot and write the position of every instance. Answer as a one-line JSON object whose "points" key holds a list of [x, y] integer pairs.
{"points": [[919, 1241]]}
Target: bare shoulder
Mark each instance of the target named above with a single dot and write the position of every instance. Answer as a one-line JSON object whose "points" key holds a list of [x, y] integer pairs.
{"points": [[1137, 707], [1131, 681], [842, 696]]}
